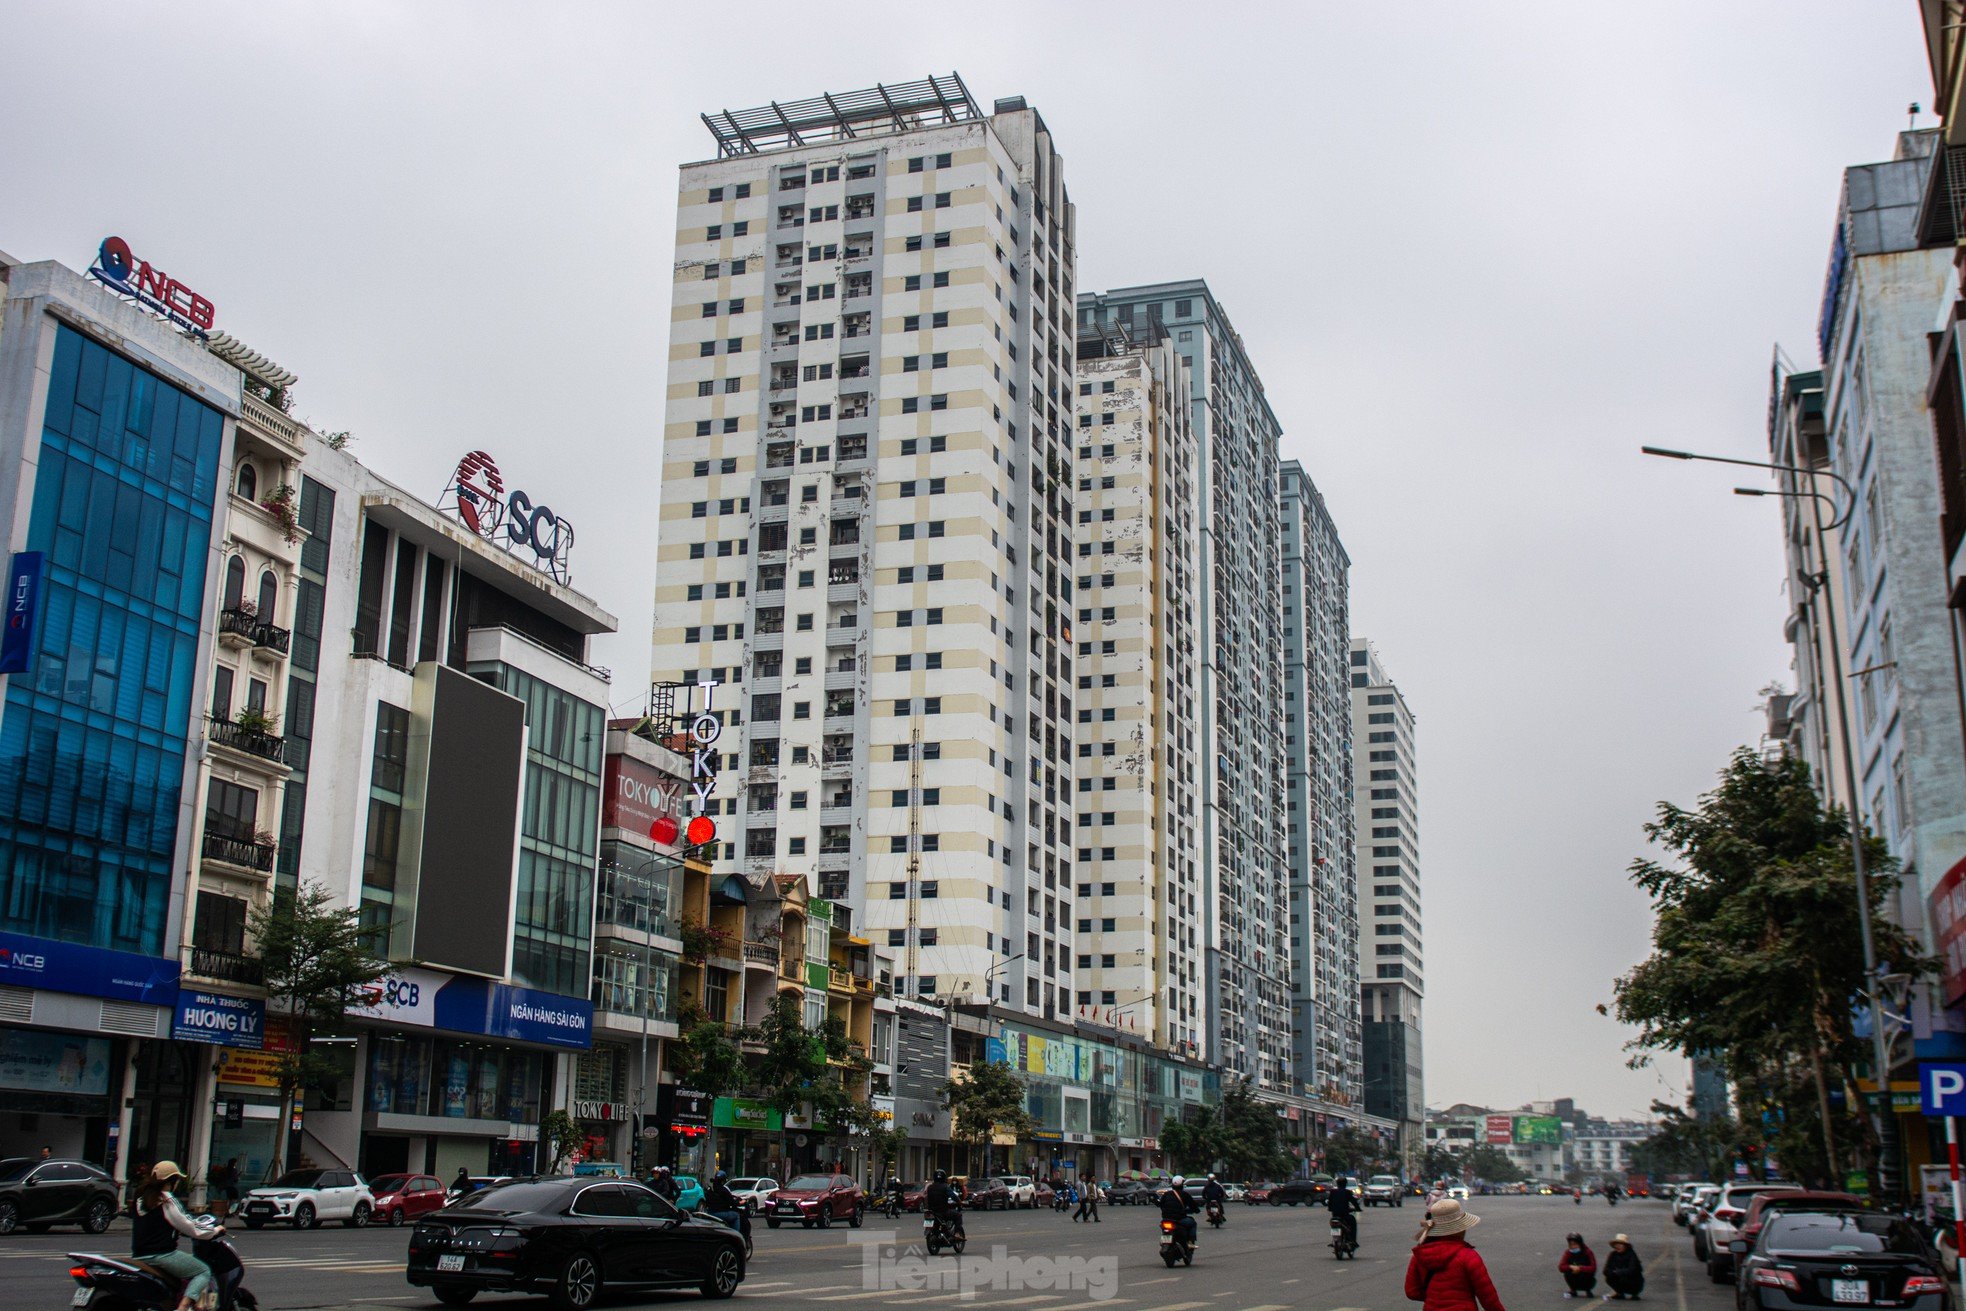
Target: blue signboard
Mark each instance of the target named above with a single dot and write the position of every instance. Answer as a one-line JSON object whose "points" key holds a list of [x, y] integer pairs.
{"points": [[88, 971], [216, 1018], [501, 1010], [994, 1051], [1942, 1088], [17, 626]]}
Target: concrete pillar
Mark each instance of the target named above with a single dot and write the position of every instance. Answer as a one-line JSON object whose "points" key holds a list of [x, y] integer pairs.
{"points": [[125, 1112], [204, 1093]]}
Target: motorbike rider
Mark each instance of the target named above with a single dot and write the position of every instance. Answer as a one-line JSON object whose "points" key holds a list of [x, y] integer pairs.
{"points": [[1175, 1205], [160, 1221], [665, 1184], [1214, 1196], [720, 1203], [942, 1201], [1344, 1209], [894, 1195]]}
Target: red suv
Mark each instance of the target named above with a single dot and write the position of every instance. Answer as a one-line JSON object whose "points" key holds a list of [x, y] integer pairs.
{"points": [[817, 1199], [400, 1197]]}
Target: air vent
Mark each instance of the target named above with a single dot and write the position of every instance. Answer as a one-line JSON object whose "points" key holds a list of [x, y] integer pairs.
{"points": [[132, 1018], [17, 1004]]}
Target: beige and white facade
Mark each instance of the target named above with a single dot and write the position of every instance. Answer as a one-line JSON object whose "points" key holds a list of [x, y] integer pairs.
{"points": [[1140, 951], [866, 527]]}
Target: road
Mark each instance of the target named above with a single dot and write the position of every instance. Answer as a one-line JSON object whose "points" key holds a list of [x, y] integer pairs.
{"points": [[1265, 1260]]}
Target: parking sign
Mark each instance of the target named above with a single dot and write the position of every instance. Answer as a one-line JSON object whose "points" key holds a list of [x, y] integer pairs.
{"points": [[1942, 1088]]}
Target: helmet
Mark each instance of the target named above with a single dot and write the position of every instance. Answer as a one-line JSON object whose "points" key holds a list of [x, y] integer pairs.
{"points": [[1179, 1180], [1211, 1176], [941, 1176], [720, 1176]]}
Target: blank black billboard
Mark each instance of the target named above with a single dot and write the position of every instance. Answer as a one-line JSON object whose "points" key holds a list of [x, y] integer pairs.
{"points": [[470, 826]]}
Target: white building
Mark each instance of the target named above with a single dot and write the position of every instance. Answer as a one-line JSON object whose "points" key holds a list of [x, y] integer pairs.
{"points": [[1245, 869], [866, 525], [1385, 791], [1317, 734], [1139, 775]]}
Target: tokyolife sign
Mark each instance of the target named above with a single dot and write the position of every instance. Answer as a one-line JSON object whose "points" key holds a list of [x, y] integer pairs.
{"points": [[149, 286], [477, 496], [704, 730]]}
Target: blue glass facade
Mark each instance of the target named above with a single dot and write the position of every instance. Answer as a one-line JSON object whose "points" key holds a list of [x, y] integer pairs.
{"points": [[93, 737]]}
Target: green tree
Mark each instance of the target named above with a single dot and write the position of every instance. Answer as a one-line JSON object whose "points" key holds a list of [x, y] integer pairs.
{"points": [[316, 960], [1703, 1146], [703, 1056], [1353, 1151], [989, 1101], [560, 1134], [1491, 1164], [1193, 1142], [1440, 1162], [1756, 951], [1249, 1147]]}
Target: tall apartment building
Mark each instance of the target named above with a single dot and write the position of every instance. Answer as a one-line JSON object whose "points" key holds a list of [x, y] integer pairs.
{"points": [[1317, 734], [1385, 790], [1245, 870], [1139, 776], [866, 521]]}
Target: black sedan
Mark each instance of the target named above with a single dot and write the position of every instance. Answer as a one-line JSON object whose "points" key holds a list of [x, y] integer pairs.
{"points": [[1861, 1258], [1300, 1192], [569, 1239], [37, 1194]]}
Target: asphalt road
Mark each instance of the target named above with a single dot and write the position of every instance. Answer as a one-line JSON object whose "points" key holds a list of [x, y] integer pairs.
{"points": [[1265, 1259]]}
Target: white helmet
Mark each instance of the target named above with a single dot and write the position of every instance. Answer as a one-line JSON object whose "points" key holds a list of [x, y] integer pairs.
{"points": [[1179, 1180], [1211, 1176]]}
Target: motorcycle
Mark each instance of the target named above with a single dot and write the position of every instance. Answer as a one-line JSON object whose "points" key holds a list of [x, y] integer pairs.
{"points": [[938, 1233], [120, 1283], [1175, 1245], [1215, 1216], [1344, 1247], [892, 1208]]}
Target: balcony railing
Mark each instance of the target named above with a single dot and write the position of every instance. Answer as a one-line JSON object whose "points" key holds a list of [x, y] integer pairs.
{"points": [[236, 621], [267, 746], [226, 966], [245, 852], [763, 953], [839, 978]]}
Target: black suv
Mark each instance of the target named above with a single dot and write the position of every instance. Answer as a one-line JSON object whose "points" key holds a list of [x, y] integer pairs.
{"points": [[35, 1195]]}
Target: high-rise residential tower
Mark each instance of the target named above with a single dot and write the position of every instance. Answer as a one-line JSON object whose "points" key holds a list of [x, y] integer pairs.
{"points": [[866, 524], [1317, 734], [1139, 764], [1245, 877], [1385, 789]]}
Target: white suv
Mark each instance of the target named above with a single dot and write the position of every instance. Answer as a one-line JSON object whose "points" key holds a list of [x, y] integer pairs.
{"points": [[304, 1198], [1384, 1190], [753, 1194], [1023, 1191]]}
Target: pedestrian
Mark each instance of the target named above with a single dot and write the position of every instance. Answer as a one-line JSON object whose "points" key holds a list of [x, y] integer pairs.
{"points": [[1088, 1202], [1624, 1273], [462, 1184], [1578, 1266], [231, 1184], [1445, 1272], [46, 1151]]}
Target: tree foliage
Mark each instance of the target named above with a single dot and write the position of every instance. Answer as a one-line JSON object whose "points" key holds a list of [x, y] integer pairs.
{"points": [[1353, 1151], [1703, 1146], [317, 962], [1237, 1135], [1756, 950], [704, 1055], [1491, 1164], [989, 1101], [1440, 1162], [562, 1136]]}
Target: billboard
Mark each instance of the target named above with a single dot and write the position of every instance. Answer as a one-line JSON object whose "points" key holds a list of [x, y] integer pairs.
{"points": [[1501, 1130], [1538, 1129]]}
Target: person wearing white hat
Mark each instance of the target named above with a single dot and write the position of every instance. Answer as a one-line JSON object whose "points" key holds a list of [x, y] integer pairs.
{"points": [[1445, 1272], [160, 1221], [1624, 1273]]}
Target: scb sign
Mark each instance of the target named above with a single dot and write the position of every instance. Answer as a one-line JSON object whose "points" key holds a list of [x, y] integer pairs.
{"points": [[1942, 1088], [477, 496]]}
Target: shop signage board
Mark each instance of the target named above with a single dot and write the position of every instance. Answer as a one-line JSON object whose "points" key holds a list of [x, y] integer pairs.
{"points": [[477, 496], [1500, 1130], [428, 999], [215, 1018], [1948, 918], [257, 1067], [122, 272], [23, 594], [87, 971], [35, 1060], [746, 1113], [635, 795], [1538, 1129]]}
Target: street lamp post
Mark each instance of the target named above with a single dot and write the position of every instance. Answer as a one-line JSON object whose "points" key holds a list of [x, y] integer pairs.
{"points": [[640, 875], [1884, 1118]]}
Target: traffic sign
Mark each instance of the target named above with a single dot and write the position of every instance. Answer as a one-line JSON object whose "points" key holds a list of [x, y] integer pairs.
{"points": [[1942, 1088]]}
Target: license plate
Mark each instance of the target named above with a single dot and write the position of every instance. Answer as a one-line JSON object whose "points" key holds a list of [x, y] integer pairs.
{"points": [[82, 1296], [1850, 1292], [789, 1208], [450, 1263], [260, 1208]]}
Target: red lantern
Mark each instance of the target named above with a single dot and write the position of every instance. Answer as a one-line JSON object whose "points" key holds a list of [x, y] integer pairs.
{"points": [[664, 829], [702, 829]]}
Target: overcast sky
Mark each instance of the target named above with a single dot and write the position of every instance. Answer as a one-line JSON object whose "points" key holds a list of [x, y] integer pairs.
{"points": [[1479, 253]]}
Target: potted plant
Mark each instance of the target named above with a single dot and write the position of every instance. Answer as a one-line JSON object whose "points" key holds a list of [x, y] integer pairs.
{"points": [[280, 503], [254, 719]]}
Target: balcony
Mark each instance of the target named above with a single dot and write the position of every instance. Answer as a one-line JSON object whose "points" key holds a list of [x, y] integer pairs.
{"points": [[246, 853], [839, 979], [268, 420], [761, 953], [236, 625], [224, 966], [252, 741]]}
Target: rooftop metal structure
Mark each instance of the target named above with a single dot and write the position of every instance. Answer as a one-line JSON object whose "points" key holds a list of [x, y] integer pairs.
{"points": [[934, 102]]}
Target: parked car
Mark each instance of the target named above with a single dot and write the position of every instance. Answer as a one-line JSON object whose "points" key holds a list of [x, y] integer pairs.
{"points": [[817, 1199], [304, 1198], [1865, 1258], [1693, 1206], [753, 1194], [570, 1239], [1043, 1194], [1459, 1192], [35, 1195], [911, 1196], [1682, 1201], [1236, 1192], [689, 1192], [985, 1194], [400, 1197], [1384, 1190], [1300, 1192], [1719, 1224], [1023, 1190], [1763, 1206]]}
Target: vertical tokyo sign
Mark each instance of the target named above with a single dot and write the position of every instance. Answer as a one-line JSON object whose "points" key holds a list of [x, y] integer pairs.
{"points": [[705, 727]]}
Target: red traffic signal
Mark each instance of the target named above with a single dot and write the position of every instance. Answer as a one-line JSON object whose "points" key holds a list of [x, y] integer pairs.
{"points": [[701, 829]]}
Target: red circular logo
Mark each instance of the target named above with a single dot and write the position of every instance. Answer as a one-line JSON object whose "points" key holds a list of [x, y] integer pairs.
{"points": [[664, 829], [480, 493], [702, 829]]}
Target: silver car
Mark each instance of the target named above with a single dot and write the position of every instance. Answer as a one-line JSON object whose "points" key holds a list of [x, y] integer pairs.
{"points": [[1720, 1223]]}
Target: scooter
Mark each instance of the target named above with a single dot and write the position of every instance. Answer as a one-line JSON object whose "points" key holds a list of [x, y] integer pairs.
{"points": [[121, 1283], [1175, 1245], [1215, 1216], [1344, 1247], [938, 1233]]}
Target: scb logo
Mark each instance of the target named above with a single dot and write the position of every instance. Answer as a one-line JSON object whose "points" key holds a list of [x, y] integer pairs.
{"points": [[484, 506], [535, 526]]}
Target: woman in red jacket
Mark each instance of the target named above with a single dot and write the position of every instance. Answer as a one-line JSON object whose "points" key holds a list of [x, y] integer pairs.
{"points": [[1446, 1274], [1578, 1266]]}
